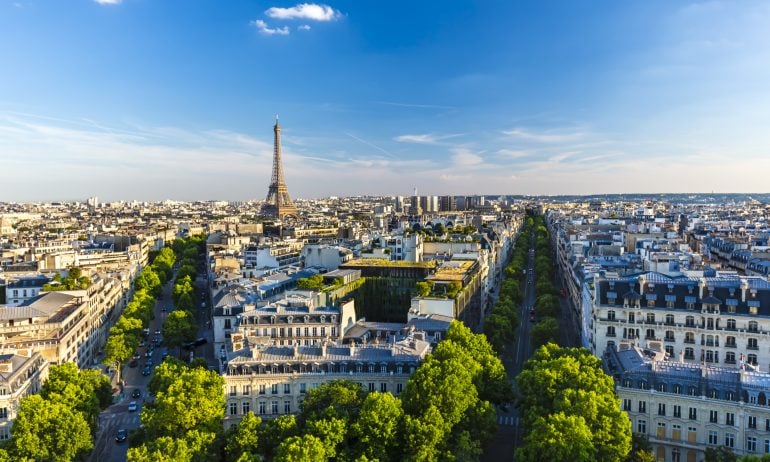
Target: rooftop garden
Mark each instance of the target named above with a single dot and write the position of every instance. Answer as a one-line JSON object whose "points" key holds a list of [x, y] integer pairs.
{"points": [[74, 281], [384, 262]]}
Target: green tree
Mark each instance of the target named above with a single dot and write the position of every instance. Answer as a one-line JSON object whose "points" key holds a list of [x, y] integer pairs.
{"points": [[545, 331], [244, 439], [315, 282], [720, 454], [275, 431], [78, 389], [378, 428], [338, 398], [423, 436], [423, 288], [179, 328], [641, 449], [572, 381], [193, 399], [148, 280], [558, 437], [49, 430], [306, 448]]}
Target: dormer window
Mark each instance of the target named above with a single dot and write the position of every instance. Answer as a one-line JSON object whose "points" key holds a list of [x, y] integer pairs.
{"points": [[323, 319], [307, 319], [290, 319]]}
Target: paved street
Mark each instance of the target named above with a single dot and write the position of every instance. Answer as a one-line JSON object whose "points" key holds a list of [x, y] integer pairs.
{"points": [[117, 416], [513, 358]]}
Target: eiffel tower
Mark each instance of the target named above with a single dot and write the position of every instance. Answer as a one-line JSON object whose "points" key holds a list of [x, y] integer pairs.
{"points": [[279, 204]]}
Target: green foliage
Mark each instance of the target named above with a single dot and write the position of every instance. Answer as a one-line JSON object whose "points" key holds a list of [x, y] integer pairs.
{"points": [[315, 282], [558, 437], [453, 289], [48, 430], [720, 454], [378, 427], [185, 399], [641, 449], [179, 328], [84, 391], [149, 280], [545, 331], [423, 288], [244, 439], [306, 448], [74, 281], [571, 382]]}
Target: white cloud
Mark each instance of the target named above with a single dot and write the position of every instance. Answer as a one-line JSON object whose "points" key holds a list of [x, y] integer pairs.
{"points": [[108, 2], [513, 153], [424, 139], [265, 29], [311, 11], [303, 27], [542, 137], [463, 157]]}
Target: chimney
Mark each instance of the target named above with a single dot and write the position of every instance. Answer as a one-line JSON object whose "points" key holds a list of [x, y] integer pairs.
{"points": [[352, 348], [323, 349], [744, 289], [701, 286]]}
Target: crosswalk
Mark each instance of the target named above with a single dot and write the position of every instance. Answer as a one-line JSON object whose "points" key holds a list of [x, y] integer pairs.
{"points": [[507, 420]]}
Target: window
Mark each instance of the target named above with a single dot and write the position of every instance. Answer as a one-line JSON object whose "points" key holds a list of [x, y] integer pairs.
{"points": [[752, 421], [399, 387], [274, 389], [767, 425], [661, 430], [729, 440], [752, 359], [689, 353], [262, 408], [610, 331], [274, 407], [383, 387], [670, 336], [642, 407], [323, 332], [371, 386], [677, 411], [669, 351], [730, 357], [752, 345], [246, 390], [713, 416], [262, 389], [641, 426], [245, 407], [693, 413], [651, 318], [611, 315], [650, 333], [233, 408], [676, 455], [753, 326], [228, 324], [751, 443], [626, 404], [767, 446], [233, 390], [689, 337], [286, 388], [729, 418], [670, 319], [3, 412], [661, 409], [689, 321], [303, 388], [731, 324], [713, 438], [287, 407]]}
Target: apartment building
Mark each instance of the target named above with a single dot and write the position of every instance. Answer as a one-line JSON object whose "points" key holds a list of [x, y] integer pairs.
{"points": [[716, 318], [685, 408], [20, 375], [272, 380]]}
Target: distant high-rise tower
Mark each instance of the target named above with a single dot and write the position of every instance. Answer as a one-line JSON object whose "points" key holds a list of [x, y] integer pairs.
{"points": [[279, 203]]}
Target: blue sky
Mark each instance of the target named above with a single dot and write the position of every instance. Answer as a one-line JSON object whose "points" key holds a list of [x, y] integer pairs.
{"points": [[156, 99]]}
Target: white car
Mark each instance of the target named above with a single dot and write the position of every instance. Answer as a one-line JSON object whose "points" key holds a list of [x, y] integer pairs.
{"points": [[132, 406]]}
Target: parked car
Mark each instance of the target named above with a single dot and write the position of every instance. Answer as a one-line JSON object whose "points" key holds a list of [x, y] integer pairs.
{"points": [[150, 363], [133, 363], [121, 435], [157, 332], [132, 406], [137, 393], [146, 371], [531, 317], [149, 353]]}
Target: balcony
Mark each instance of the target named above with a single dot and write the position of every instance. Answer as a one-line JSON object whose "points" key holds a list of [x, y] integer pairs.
{"points": [[731, 345], [670, 339], [752, 347], [691, 341]]}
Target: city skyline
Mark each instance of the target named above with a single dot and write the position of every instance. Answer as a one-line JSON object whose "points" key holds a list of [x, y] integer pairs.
{"points": [[129, 99]]}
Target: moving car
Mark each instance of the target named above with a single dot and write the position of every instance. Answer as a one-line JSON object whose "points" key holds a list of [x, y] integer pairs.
{"points": [[133, 363], [132, 406], [137, 393], [146, 371], [121, 435], [531, 317]]}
